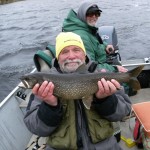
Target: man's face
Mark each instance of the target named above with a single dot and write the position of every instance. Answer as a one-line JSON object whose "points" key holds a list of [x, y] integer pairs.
{"points": [[70, 58], [92, 17]]}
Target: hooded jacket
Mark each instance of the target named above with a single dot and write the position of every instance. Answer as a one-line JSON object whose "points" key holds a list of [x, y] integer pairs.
{"points": [[45, 120], [76, 22]]}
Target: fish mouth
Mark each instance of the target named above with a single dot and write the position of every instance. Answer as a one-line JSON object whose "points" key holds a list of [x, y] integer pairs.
{"points": [[24, 84]]}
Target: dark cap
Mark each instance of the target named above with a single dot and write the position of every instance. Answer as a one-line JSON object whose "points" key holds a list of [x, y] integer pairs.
{"points": [[93, 8]]}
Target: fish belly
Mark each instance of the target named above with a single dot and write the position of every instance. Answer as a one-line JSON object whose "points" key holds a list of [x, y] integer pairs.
{"points": [[75, 90]]}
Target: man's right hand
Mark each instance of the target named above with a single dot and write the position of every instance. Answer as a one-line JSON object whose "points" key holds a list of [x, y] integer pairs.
{"points": [[45, 92]]}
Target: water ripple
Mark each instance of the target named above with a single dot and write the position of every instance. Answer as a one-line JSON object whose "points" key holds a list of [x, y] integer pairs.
{"points": [[27, 26]]}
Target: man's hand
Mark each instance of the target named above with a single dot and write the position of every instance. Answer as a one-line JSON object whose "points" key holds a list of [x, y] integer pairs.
{"points": [[121, 69], [45, 92], [109, 49], [107, 88]]}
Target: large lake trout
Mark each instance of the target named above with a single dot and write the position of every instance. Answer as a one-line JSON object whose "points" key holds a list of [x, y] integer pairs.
{"points": [[80, 85]]}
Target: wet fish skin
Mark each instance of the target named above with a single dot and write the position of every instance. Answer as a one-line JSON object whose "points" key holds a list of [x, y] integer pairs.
{"points": [[77, 86]]}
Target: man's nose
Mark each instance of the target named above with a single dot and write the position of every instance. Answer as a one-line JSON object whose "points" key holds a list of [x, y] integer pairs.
{"points": [[71, 54]]}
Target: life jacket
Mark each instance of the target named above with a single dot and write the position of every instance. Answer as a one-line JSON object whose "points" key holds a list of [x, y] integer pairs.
{"points": [[65, 135]]}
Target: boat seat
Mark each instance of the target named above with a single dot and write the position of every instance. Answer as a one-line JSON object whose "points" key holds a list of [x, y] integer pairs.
{"points": [[43, 58], [43, 65], [142, 112]]}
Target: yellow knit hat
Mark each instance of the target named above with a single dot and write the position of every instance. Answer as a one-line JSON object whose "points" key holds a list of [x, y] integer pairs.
{"points": [[67, 39]]}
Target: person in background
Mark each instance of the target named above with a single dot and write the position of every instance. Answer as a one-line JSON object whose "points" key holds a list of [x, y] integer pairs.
{"points": [[84, 23], [67, 123]]}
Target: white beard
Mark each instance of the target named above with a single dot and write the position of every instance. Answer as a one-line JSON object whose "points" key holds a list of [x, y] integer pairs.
{"points": [[70, 66], [92, 23]]}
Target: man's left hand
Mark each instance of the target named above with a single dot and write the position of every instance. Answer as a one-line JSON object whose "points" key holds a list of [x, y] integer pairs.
{"points": [[107, 88], [121, 69]]}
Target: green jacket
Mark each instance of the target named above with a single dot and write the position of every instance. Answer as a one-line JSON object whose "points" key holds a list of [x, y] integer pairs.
{"points": [[94, 49]]}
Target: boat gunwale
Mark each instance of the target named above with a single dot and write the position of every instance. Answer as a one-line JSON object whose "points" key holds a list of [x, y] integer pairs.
{"points": [[11, 93]]}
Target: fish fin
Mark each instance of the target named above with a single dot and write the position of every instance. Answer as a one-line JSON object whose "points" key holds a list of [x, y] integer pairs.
{"points": [[87, 101], [82, 69], [134, 83], [136, 71]]}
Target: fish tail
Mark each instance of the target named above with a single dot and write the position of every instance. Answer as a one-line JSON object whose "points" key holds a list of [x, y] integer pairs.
{"points": [[134, 83]]}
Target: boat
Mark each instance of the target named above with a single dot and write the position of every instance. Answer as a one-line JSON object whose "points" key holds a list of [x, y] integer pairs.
{"points": [[15, 135], [108, 34]]}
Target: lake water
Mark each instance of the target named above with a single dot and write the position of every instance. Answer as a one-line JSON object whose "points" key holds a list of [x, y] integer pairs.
{"points": [[27, 26]]}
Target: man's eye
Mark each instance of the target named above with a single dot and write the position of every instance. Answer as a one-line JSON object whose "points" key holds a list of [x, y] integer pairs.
{"points": [[64, 52], [76, 50]]}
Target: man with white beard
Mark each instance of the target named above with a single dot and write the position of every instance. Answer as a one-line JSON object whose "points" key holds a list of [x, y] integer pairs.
{"points": [[68, 124]]}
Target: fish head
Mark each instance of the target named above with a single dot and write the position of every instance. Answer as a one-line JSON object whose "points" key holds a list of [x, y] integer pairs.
{"points": [[28, 81]]}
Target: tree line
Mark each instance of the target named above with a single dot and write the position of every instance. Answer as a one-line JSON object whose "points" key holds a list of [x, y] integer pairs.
{"points": [[7, 1]]}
